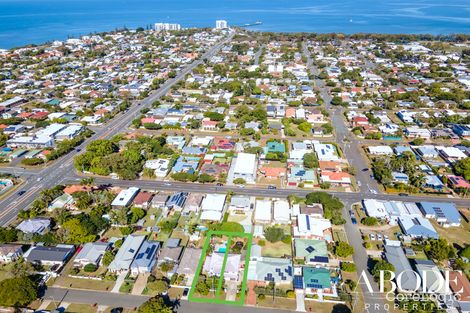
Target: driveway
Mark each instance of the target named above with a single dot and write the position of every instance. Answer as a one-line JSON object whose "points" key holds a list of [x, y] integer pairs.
{"points": [[140, 284], [300, 300], [119, 281]]}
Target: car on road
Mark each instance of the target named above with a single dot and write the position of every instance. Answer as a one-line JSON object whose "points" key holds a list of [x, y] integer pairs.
{"points": [[403, 194], [39, 179], [365, 169], [219, 184], [271, 187], [78, 149], [353, 220], [22, 192], [167, 184]]}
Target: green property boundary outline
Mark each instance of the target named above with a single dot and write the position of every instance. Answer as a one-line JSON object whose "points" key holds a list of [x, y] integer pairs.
{"points": [[216, 299]]}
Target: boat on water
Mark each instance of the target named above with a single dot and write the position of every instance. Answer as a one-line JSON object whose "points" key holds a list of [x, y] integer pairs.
{"points": [[252, 24]]}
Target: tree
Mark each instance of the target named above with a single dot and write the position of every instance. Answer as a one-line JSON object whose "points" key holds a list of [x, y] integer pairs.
{"points": [[273, 234], [462, 168], [202, 287], [17, 292], [382, 265], [166, 266], [156, 304], [90, 268], [343, 249], [79, 231], [417, 141], [158, 286], [239, 181], [310, 160], [21, 268], [369, 221], [305, 127], [136, 215], [8, 235], [206, 178], [108, 257], [439, 249], [465, 252], [348, 267]]}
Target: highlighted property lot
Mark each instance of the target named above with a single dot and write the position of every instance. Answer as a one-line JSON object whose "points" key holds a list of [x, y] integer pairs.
{"points": [[222, 271]]}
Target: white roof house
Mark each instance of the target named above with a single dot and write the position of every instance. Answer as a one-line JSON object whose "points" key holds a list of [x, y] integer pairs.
{"points": [[281, 211], [214, 262], [375, 208], [125, 197], [215, 216], [201, 141], [213, 202], [263, 211], [34, 226], [212, 207], [160, 166], [326, 152], [380, 150], [91, 252], [123, 259], [451, 153], [244, 166], [311, 228]]}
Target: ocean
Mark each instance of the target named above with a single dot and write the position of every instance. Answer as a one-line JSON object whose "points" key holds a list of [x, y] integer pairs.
{"points": [[24, 22]]}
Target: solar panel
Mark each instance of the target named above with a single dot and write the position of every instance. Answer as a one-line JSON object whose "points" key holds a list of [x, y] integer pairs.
{"points": [[298, 282], [149, 255]]}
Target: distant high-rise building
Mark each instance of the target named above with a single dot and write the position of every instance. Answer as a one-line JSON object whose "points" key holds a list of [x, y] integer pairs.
{"points": [[166, 26], [221, 24]]}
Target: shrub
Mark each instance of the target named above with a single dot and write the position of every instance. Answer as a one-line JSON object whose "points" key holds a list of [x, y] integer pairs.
{"points": [[261, 242], [290, 294], [90, 268], [348, 267], [261, 297]]}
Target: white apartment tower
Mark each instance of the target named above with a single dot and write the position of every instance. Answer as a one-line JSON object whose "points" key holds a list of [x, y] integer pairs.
{"points": [[221, 24]]}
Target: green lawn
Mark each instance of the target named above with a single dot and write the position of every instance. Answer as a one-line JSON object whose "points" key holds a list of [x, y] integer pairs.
{"points": [[276, 250]]}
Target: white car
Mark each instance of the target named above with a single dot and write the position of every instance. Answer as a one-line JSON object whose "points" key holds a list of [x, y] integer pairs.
{"points": [[372, 236], [379, 236]]}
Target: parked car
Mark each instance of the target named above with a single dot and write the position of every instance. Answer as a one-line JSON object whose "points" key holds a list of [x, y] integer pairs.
{"points": [[353, 220], [372, 236], [271, 187]]}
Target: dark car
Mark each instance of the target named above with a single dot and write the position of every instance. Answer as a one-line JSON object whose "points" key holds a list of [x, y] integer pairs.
{"points": [[219, 184], [22, 192], [403, 194], [78, 149], [365, 169], [185, 292], [353, 220], [271, 187]]}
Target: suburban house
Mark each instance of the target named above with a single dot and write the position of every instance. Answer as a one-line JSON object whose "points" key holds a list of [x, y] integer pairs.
{"points": [[317, 281], [49, 256], [244, 166], [214, 262], [281, 212], [266, 270], [146, 258], [91, 252], [396, 256], [189, 263], [313, 252], [125, 197], [309, 227], [35, 226], [10, 252], [417, 227], [126, 254], [239, 204], [212, 207], [263, 211], [446, 214]]}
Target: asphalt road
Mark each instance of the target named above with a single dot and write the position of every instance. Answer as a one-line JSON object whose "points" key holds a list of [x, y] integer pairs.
{"points": [[113, 300]]}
